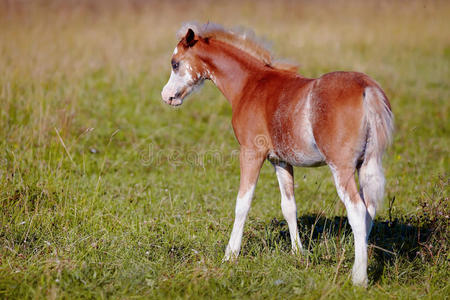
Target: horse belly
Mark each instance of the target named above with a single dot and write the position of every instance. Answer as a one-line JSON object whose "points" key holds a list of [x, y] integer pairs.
{"points": [[298, 154], [296, 145]]}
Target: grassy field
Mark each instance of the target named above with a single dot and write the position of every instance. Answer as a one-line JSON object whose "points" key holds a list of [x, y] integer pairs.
{"points": [[107, 192]]}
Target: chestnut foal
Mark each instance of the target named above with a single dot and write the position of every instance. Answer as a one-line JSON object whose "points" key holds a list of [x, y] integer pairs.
{"points": [[342, 119]]}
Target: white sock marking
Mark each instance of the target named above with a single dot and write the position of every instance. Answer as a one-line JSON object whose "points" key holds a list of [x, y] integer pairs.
{"points": [[242, 207], [360, 221], [289, 207]]}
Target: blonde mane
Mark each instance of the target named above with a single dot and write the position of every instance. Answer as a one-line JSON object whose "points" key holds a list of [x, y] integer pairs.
{"points": [[244, 40]]}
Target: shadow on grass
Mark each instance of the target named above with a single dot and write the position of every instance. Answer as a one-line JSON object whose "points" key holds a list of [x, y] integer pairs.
{"points": [[423, 237], [390, 241]]}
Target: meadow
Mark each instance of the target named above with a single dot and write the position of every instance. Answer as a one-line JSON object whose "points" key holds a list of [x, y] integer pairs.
{"points": [[106, 192]]}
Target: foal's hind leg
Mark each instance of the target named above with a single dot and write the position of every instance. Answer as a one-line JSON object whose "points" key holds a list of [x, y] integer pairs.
{"points": [[358, 217], [285, 175]]}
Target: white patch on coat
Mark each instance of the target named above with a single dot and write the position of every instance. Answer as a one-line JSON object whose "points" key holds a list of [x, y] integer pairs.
{"points": [[313, 155], [302, 153], [210, 75]]}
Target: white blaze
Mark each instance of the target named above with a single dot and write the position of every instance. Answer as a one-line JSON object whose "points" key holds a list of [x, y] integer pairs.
{"points": [[177, 83]]}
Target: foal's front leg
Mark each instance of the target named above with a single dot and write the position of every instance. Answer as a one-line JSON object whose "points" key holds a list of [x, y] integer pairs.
{"points": [[251, 162], [285, 175]]}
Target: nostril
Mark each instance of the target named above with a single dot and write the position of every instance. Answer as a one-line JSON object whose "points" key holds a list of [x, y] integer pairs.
{"points": [[177, 95], [171, 98]]}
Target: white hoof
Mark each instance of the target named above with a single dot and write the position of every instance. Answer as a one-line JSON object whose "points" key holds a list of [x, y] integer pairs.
{"points": [[230, 255], [359, 277]]}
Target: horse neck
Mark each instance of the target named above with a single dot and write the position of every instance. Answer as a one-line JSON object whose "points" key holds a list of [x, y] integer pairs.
{"points": [[230, 69]]}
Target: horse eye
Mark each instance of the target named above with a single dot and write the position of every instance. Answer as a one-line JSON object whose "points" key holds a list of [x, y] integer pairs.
{"points": [[175, 65]]}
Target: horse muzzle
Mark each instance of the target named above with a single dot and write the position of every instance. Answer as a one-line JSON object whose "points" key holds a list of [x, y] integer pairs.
{"points": [[174, 100]]}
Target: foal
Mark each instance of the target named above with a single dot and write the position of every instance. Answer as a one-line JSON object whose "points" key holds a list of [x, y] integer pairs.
{"points": [[342, 119]]}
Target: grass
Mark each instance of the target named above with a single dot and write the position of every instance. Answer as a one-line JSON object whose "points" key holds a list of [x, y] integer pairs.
{"points": [[107, 192]]}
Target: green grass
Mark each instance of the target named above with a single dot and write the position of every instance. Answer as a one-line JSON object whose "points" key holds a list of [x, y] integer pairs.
{"points": [[107, 192]]}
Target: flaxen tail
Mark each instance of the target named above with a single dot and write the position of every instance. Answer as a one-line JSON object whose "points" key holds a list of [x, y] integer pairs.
{"points": [[380, 126]]}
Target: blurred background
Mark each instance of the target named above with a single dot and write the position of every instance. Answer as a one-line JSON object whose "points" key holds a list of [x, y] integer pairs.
{"points": [[94, 168], [75, 65]]}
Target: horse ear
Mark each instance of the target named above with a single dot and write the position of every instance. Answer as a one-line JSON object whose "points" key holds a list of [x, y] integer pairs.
{"points": [[189, 39]]}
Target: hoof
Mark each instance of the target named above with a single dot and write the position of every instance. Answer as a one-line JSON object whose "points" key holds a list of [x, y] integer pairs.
{"points": [[230, 256], [361, 283], [359, 278]]}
